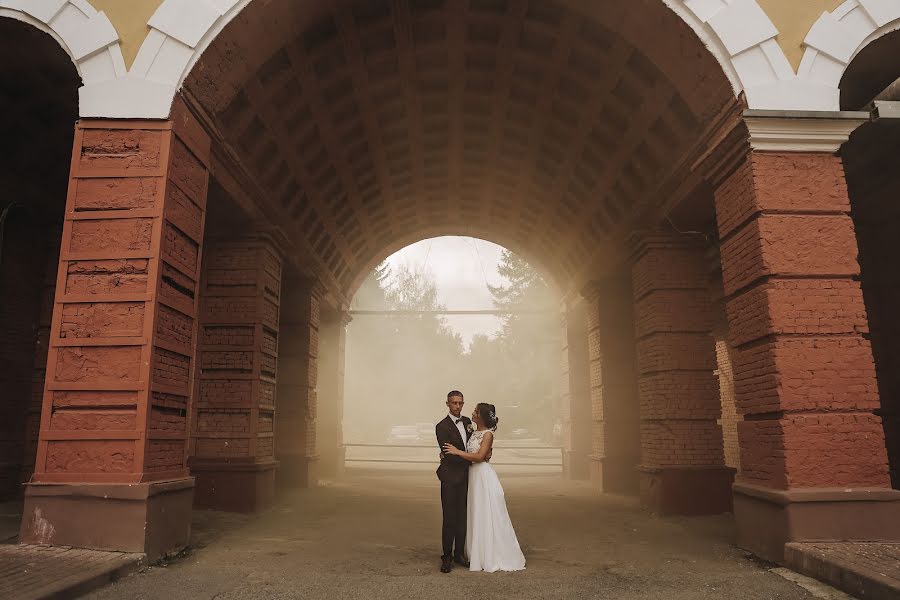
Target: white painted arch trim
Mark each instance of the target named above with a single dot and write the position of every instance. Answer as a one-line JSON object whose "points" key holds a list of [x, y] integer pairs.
{"points": [[85, 33], [737, 32], [839, 36]]}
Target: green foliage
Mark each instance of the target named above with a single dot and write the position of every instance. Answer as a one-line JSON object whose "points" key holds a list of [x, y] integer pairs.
{"points": [[399, 367]]}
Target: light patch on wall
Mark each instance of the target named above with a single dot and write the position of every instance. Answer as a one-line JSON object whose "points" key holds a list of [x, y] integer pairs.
{"points": [[130, 20], [794, 19]]}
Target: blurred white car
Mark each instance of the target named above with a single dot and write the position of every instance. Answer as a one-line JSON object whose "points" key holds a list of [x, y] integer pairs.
{"points": [[426, 432], [404, 434]]}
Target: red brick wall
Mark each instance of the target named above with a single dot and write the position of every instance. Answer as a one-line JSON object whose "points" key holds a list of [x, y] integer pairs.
{"points": [[576, 393], [295, 425], [678, 391], [332, 341], [615, 437], [874, 186], [240, 298], [112, 365], [803, 371], [27, 245], [729, 419]]}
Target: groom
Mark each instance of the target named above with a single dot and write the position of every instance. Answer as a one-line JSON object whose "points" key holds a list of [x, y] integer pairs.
{"points": [[454, 476]]}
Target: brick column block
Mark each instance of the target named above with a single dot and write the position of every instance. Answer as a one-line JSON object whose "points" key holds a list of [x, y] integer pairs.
{"points": [[233, 426], [682, 458], [111, 467], [813, 462], [39, 371], [616, 442], [576, 394], [332, 358], [296, 447]]}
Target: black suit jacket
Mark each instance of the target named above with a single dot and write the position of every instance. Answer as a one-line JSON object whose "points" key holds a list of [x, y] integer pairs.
{"points": [[453, 469]]}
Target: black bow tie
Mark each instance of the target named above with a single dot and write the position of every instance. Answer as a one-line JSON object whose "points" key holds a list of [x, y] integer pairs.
{"points": [[457, 420]]}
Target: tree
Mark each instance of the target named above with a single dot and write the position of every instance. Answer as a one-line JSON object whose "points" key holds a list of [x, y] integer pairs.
{"points": [[399, 367], [529, 342]]}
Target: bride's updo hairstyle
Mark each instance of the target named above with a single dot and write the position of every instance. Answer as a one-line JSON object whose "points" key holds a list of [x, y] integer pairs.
{"points": [[488, 414]]}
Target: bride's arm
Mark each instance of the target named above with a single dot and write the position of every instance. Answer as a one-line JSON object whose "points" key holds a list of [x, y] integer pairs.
{"points": [[475, 457]]}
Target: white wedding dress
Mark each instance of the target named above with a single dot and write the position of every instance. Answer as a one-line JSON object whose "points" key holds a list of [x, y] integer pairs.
{"points": [[491, 542]]}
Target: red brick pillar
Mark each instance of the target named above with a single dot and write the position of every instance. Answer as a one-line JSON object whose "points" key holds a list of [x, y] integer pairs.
{"points": [[232, 428], [576, 393], [813, 461], [296, 446], [330, 422], [111, 469], [682, 463], [42, 342], [616, 438], [28, 263]]}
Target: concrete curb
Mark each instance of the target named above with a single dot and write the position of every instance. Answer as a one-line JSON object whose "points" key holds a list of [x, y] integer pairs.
{"points": [[841, 573]]}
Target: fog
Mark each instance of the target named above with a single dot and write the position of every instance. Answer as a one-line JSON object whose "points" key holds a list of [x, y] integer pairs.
{"points": [[399, 368]]}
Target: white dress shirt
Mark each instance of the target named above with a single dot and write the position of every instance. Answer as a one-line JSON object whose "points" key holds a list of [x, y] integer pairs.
{"points": [[461, 427]]}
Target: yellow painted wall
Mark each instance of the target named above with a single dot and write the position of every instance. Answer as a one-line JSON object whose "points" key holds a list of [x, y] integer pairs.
{"points": [[793, 18], [129, 17]]}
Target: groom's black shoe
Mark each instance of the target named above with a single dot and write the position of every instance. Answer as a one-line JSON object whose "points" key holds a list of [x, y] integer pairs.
{"points": [[445, 564], [461, 561]]}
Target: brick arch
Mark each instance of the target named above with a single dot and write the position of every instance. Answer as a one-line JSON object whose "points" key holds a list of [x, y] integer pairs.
{"points": [[546, 124], [90, 40], [739, 35], [838, 37]]}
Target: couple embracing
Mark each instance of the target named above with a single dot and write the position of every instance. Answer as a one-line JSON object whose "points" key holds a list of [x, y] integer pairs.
{"points": [[477, 532]]}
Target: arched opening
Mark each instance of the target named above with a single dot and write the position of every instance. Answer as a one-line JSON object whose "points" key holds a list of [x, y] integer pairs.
{"points": [[546, 126], [309, 142], [454, 313], [557, 129], [38, 96], [874, 183]]}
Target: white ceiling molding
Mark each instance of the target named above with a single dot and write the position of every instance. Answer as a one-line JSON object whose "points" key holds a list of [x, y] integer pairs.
{"points": [[86, 34], [783, 131], [838, 36]]}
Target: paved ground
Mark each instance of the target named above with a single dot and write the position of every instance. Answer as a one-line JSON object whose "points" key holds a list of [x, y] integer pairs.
{"points": [[40, 572], [378, 537]]}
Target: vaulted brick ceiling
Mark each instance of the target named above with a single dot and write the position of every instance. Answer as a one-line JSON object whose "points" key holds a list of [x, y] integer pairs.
{"points": [[544, 126]]}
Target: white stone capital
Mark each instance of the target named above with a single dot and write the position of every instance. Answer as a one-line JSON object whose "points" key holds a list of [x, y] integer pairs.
{"points": [[794, 131]]}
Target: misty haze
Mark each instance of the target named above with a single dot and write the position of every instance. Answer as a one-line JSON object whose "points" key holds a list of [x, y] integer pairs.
{"points": [[400, 366]]}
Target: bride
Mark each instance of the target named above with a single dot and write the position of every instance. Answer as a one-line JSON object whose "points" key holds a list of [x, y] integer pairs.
{"points": [[490, 539]]}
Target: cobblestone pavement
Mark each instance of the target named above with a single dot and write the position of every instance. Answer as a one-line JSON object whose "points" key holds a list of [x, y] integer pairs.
{"points": [[37, 572], [378, 537]]}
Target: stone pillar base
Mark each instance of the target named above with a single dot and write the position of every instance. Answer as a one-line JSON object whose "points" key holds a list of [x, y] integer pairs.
{"points": [[151, 518], [689, 491], [614, 475], [332, 465], [234, 487], [768, 519], [576, 465], [296, 472]]}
